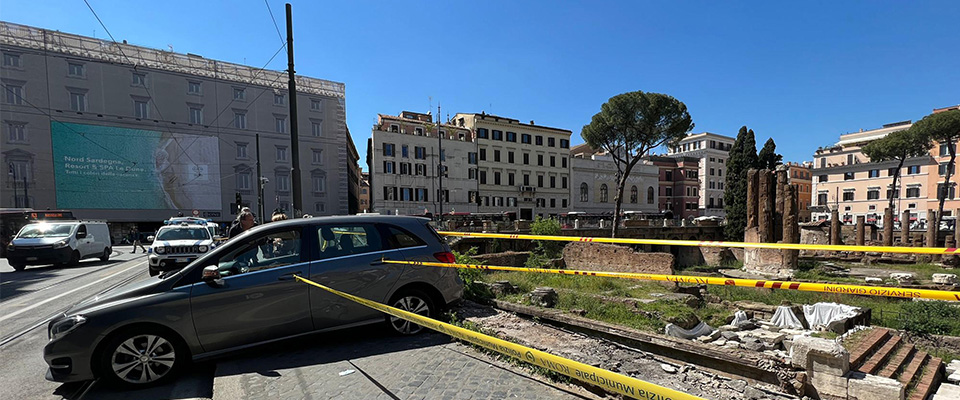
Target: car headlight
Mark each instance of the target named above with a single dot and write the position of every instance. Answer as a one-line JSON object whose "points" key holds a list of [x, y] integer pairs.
{"points": [[61, 244], [159, 250], [65, 326], [11, 247], [202, 249]]}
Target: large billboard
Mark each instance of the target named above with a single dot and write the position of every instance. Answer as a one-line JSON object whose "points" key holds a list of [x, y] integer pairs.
{"points": [[103, 167]]}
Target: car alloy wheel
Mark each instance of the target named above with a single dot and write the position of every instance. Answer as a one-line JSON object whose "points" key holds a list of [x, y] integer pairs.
{"points": [[416, 303], [143, 359]]}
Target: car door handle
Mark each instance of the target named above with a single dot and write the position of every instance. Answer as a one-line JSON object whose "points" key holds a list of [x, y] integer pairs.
{"points": [[289, 276]]}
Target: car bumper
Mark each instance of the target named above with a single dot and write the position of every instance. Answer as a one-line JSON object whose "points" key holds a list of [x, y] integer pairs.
{"points": [[165, 263], [67, 361], [33, 256]]}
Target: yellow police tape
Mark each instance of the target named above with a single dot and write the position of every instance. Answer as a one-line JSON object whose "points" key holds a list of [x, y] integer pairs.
{"points": [[711, 243], [705, 280], [610, 381]]}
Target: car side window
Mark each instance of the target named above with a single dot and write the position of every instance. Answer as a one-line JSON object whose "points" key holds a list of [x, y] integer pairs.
{"points": [[338, 240], [270, 250], [82, 230], [400, 238]]}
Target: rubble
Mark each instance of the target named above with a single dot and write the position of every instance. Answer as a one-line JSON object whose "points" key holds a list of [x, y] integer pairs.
{"points": [[945, 279], [544, 297], [902, 278]]}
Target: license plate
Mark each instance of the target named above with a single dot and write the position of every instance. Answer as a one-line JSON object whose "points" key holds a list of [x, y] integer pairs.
{"points": [[31, 259], [183, 260]]}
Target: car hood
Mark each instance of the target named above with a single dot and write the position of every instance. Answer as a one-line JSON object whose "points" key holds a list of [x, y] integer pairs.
{"points": [[38, 241], [128, 291], [188, 242]]}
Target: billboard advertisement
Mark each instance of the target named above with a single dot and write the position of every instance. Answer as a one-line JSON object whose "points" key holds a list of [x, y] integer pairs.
{"points": [[103, 167]]}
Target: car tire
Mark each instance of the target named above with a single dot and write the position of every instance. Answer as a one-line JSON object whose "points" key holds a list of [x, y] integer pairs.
{"points": [[106, 254], [414, 301], [18, 267], [74, 259], [143, 357]]}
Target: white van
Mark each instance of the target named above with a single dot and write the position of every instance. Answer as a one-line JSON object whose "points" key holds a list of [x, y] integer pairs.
{"points": [[59, 242]]}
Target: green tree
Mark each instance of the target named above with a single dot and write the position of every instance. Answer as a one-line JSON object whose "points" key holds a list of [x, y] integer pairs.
{"points": [[544, 250], [897, 146], [628, 126], [768, 157], [742, 157], [943, 128]]}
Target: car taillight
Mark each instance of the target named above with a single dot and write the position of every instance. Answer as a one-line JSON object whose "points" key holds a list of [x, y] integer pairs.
{"points": [[445, 257]]}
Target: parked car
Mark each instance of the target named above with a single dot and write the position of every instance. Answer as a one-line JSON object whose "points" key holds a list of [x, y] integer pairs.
{"points": [[175, 246], [244, 293], [59, 242]]}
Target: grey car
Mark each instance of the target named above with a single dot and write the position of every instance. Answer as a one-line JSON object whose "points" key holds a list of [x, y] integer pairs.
{"points": [[244, 293]]}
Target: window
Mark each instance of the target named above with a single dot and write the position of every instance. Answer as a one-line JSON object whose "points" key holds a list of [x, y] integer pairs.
{"points": [[496, 178], [712, 172], [472, 173], [511, 201], [421, 195], [848, 176], [553, 182], [822, 178], [526, 179], [946, 192], [320, 207], [140, 109], [388, 149], [78, 101], [553, 161], [404, 151], [11, 60], [139, 79], [539, 180], [873, 194], [945, 150], [283, 182], [318, 156], [551, 142], [564, 143], [540, 159], [13, 94], [482, 133], [16, 132], [525, 138], [526, 158], [563, 162], [539, 140], [563, 182], [76, 70], [668, 192], [635, 194], [267, 251], [822, 199], [511, 179], [913, 192], [239, 94], [483, 177], [421, 170], [603, 193], [279, 99], [240, 120], [511, 136], [483, 154], [316, 127], [553, 203], [241, 150], [893, 194], [319, 184], [650, 195], [891, 172], [510, 157], [874, 173], [913, 170], [281, 124], [496, 155], [281, 153], [497, 135], [472, 158], [943, 169], [389, 167], [316, 105], [243, 180], [405, 169], [418, 131], [196, 115], [194, 87]]}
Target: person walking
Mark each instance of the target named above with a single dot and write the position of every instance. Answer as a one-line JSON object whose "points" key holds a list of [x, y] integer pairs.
{"points": [[136, 240], [244, 221]]}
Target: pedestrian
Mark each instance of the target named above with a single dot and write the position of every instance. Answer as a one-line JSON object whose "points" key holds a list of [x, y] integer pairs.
{"points": [[278, 216], [244, 221], [136, 240]]}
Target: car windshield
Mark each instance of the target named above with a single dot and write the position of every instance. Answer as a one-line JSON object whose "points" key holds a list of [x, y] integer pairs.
{"points": [[45, 231], [186, 233]]}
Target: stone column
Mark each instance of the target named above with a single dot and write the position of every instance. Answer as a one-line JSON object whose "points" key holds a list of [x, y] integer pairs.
{"points": [[905, 228], [956, 225], [835, 227], [767, 206], [752, 188], [888, 226], [932, 229], [791, 227], [861, 224], [781, 194]]}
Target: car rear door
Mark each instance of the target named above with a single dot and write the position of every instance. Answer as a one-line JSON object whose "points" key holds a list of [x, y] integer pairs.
{"points": [[349, 259], [258, 299]]}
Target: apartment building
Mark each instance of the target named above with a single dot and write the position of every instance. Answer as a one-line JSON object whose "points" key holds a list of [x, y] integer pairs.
{"points": [[164, 132], [365, 192], [679, 181], [799, 176], [845, 179], [594, 177], [711, 150], [404, 155], [522, 168]]}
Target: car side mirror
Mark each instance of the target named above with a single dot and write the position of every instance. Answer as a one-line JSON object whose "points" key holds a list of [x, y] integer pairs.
{"points": [[81, 235], [211, 273]]}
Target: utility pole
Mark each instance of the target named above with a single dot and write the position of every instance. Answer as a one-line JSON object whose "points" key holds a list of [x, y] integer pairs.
{"points": [[260, 179], [440, 164], [294, 131], [26, 198]]}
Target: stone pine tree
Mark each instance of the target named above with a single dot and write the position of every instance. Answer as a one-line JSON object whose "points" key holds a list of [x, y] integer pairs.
{"points": [[742, 157], [768, 157], [898, 146], [631, 124], [942, 128]]}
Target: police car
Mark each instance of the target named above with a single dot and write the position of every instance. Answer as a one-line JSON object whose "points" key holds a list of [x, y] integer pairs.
{"points": [[177, 245]]}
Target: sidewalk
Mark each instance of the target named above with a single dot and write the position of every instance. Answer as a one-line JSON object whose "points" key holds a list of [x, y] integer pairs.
{"points": [[427, 366]]}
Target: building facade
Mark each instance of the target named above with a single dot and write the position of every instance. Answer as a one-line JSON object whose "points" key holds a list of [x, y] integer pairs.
{"points": [[522, 168], [799, 176], [403, 157], [594, 189], [365, 193], [712, 151], [127, 133], [679, 185]]}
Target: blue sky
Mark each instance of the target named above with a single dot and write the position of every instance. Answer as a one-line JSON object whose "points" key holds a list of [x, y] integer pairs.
{"points": [[800, 72]]}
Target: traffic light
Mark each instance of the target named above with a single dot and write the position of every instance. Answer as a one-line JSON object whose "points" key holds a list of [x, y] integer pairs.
{"points": [[239, 202]]}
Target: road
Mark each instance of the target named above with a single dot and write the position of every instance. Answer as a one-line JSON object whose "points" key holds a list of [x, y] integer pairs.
{"points": [[352, 364]]}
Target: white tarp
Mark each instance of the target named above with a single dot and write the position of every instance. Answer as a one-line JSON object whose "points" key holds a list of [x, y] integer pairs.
{"points": [[738, 317], [822, 314], [785, 318], [700, 330]]}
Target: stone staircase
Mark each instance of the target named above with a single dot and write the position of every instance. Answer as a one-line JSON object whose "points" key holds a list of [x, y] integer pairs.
{"points": [[886, 354]]}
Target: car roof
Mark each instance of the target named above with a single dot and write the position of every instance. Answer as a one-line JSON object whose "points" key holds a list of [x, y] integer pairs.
{"points": [[342, 219], [196, 226]]}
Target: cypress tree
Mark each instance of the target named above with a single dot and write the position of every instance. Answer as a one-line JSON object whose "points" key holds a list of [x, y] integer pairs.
{"points": [[742, 157], [768, 157]]}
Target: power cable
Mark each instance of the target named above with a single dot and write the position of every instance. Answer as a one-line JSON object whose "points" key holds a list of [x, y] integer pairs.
{"points": [[275, 22]]}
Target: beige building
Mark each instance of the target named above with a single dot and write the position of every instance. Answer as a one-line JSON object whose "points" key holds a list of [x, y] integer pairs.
{"points": [[712, 150], [845, 179], [594, 189], [522, 168], [800, 177], [403, 157]]}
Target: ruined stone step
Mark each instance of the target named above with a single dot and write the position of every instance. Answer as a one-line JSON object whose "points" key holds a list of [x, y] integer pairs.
{"points": [[912, 369], [897, 362], [874, 339], [929, 381], [880, 356]]}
